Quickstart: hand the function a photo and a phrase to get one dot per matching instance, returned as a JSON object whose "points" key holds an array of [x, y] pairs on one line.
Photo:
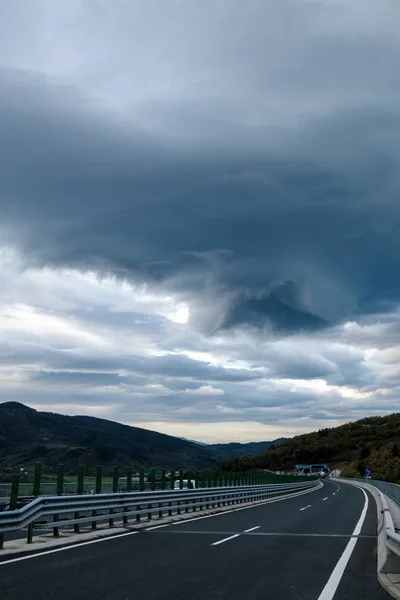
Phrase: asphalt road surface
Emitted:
{"points": [[318, 546]]}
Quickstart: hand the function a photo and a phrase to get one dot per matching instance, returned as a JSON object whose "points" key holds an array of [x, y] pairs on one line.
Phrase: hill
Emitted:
{"points": [[235, 450], [27, 436], [373, 442]]}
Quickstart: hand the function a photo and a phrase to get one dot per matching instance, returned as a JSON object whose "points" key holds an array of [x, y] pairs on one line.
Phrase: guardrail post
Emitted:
{"points": [[203, 479], [29, 536], [36, 479], [181, 480], [60, 480], [209, 479], [172, 477], [80, 479], [163, 479], [153, 479], [115, 480], [14, 492], [189, 478], [111, 520], [98, 479], [215, 480], [56, 531], [129, 480], [141, 480]]}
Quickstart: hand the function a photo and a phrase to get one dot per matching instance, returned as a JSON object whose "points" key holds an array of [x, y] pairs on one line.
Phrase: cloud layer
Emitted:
{"points": [[199, 210]]}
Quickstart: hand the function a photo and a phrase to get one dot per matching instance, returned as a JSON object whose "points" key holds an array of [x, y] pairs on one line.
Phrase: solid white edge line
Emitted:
{"points": [[231, 537], [333, 582], [227, 512], [252, 529], [71, 547], [157, 527]]}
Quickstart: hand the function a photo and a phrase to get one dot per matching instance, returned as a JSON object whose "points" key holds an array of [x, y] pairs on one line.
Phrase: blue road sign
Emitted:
{"points": [[367, 473]]}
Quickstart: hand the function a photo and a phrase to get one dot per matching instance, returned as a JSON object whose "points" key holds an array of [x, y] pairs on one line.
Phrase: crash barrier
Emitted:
{"points": [[52, 513], [388, 563]]}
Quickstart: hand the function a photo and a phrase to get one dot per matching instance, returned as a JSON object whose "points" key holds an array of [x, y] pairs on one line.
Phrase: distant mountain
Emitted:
{"points": [[27, 436], [193, 441], [236, 450]]}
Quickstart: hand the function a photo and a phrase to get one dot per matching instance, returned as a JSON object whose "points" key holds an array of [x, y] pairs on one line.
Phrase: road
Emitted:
{"points": [[299, 548]]}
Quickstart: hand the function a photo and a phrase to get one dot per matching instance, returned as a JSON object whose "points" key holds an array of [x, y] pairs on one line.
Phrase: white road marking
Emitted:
{"points": [[157, 527], [252, 529], [305, 507], [333, 493], [325, 498], [226, 512], [226, 539], [333, 582], [105, 539]]}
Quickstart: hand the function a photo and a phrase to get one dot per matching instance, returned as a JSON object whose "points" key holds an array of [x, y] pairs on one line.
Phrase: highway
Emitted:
{"points": [[298, 548]]}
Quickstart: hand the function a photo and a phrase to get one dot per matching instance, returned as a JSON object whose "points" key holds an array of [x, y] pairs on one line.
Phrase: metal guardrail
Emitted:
{"points": [[55, 512], [392, 538], [390, 489]]}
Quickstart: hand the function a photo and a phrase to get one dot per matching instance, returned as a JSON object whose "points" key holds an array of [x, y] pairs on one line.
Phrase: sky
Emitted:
{"points": [[200, 212]]}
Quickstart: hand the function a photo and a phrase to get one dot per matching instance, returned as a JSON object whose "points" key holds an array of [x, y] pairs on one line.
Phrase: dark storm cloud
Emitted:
{"points": [[241, 161], [290, 240]]}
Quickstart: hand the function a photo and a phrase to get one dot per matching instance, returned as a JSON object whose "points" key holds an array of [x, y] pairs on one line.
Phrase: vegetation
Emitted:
{"points": [[236, 450], [373, 442], [28, 436]]}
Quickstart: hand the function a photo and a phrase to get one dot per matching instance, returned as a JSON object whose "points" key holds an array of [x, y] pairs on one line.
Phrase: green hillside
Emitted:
{"points": [[236, 449], [27, 436], [373, 442]]}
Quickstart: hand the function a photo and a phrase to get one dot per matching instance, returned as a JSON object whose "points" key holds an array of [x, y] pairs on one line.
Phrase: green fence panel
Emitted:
{"points": [[163, 479], [141, 480], [80, 479], [190, 478], [129, 480], [115, 480], [152, 479], [14, 492], [36, 479], [99, 474], [60, 480]]}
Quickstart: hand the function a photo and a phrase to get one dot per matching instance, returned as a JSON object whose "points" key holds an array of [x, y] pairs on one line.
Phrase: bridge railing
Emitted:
{"points": [[117, 480], [388, 538], [51, 513]]}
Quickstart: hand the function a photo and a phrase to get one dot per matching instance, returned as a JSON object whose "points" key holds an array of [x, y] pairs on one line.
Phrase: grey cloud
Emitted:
{"points": [[304, 249], [168, 366], [253, 177]]}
